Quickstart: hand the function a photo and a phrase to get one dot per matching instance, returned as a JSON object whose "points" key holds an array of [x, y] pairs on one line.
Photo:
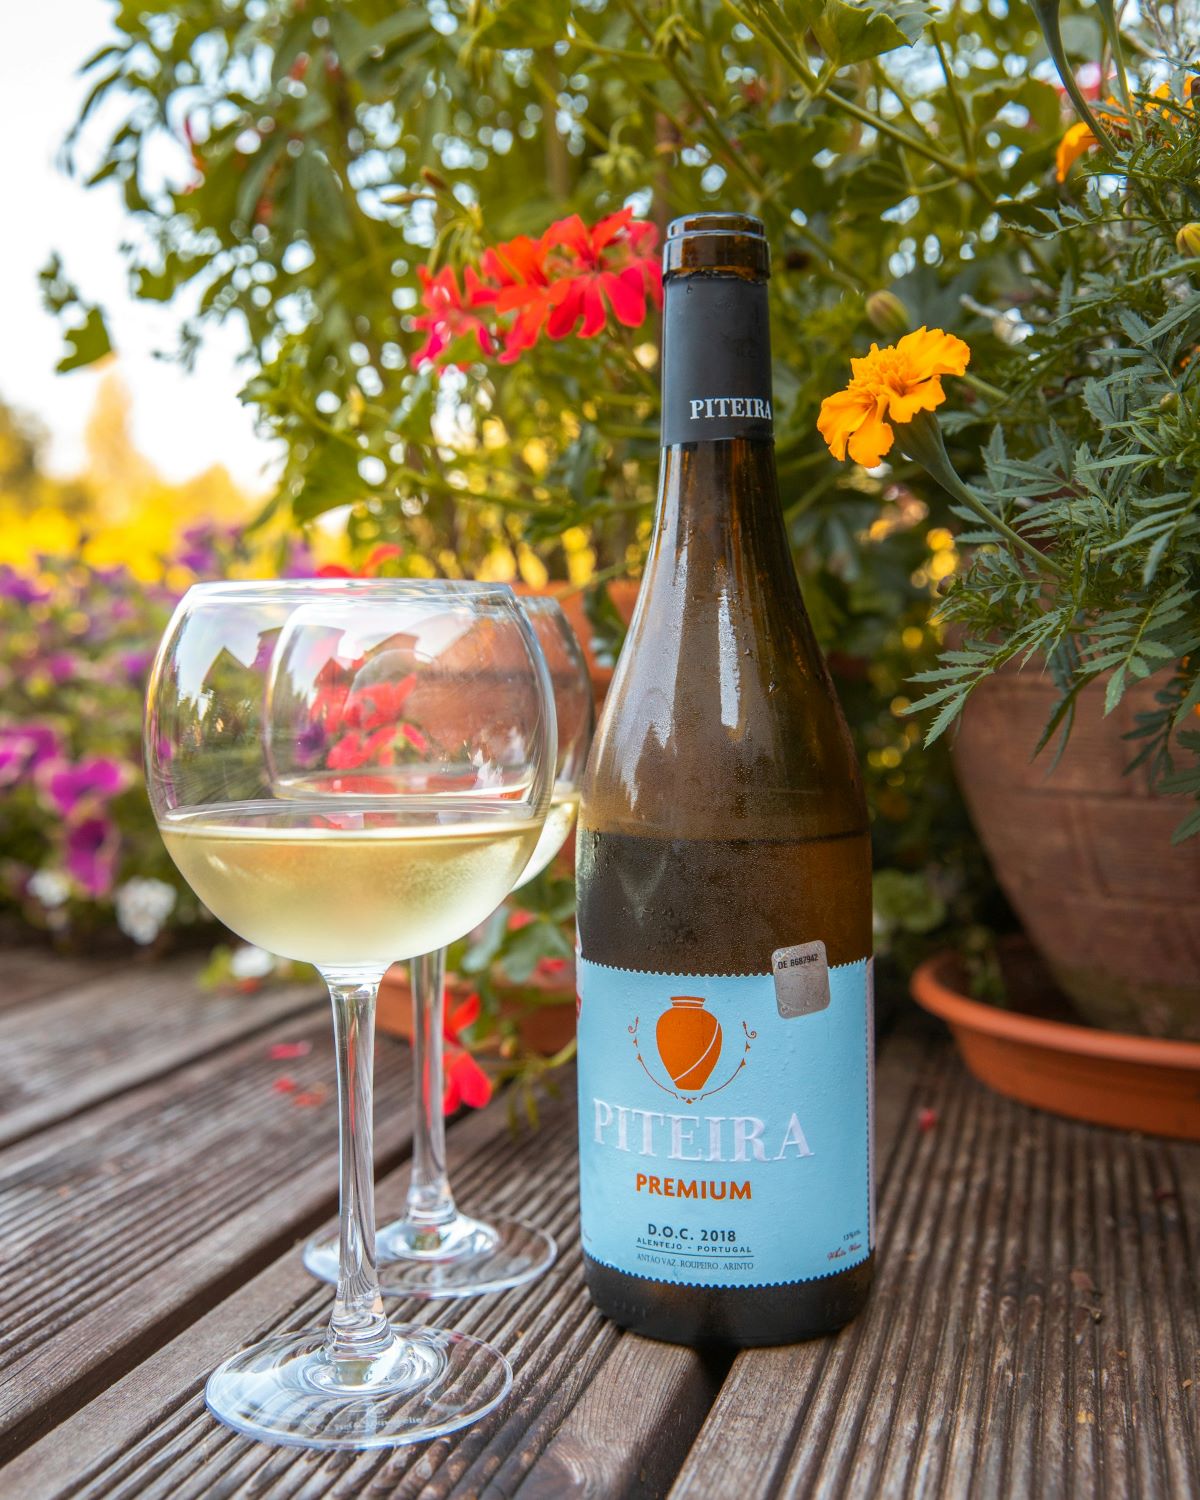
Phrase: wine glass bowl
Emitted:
{"points": [[346, 773], [575, 716]]}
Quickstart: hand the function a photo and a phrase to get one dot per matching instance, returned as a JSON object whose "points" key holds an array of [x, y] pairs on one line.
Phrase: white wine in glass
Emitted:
{"points": [[559, 822], [345, 772], [289, 880]]}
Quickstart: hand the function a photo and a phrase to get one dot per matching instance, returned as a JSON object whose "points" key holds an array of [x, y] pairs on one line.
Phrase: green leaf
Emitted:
{"points": [[849, 33], [906, 901], [529, 944], [331, 479], [1025, 213], [1115, 690], [87, 343], [1188, 828], [1190, 703], [254, 179], [508, 24], [158, 286]]}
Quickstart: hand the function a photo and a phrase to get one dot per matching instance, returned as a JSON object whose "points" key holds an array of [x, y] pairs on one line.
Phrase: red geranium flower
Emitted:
{"points": [[447, 316], [466, 1082], [385, 552], [565, 282], [518, 267], [354, 750], [378, 704], [614, 266]]}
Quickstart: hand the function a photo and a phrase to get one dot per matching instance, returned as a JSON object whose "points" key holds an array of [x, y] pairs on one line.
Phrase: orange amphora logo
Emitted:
{"points": [[689, 1042]]}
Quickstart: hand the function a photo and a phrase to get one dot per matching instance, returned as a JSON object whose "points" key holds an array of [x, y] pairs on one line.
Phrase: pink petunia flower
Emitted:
{"points": [[25, 747], [90, 849], [65, 785]]}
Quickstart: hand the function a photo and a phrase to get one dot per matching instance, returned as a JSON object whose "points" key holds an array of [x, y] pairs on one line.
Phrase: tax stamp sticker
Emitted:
{"points": [[801, 979]]}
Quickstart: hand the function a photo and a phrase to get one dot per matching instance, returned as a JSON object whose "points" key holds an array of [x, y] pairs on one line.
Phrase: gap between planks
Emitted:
{"points": [[1034, 1328]]}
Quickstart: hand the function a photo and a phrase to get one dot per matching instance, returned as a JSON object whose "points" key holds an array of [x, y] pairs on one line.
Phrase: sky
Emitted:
{"points": [[182, 422]]}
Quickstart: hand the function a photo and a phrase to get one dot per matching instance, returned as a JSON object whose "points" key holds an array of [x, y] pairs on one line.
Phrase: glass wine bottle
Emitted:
{"points": [[725, 1029]]}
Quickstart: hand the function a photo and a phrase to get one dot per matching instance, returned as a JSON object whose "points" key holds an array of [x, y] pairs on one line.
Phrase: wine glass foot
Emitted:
{"points": [[462, 1258], [289, 1390]]}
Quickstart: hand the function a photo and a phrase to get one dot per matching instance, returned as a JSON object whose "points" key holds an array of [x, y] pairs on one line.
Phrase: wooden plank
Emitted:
{"points": [[149, 1436], [120, 1226], [617, 1443], [26, 974], [1035, 1320], [87, 1041]]}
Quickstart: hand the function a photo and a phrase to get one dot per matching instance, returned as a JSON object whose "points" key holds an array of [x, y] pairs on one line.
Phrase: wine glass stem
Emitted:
{"points": [[429, 1198], [358, 1328]]}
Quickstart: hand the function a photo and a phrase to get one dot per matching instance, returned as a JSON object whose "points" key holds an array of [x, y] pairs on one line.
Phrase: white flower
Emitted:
{"points": [[50, 888], [143, 905], [249, 962]]}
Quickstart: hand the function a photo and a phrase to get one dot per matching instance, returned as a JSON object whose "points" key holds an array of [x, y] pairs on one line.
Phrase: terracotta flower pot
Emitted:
{"points": [[1105, 1077], [546, 1029], [1084, 854]]}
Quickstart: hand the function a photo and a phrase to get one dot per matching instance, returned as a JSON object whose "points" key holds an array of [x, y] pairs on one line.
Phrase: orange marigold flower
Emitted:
{"points": [[1191, 92], [1078, 140], [896, 383]]}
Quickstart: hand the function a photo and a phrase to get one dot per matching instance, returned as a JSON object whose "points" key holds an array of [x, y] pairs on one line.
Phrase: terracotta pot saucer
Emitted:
{"points": [[1106, 1077]]}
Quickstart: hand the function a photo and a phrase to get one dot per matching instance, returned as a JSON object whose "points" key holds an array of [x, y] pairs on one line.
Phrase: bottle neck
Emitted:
{"points": [[719, 496], [716, 361]]}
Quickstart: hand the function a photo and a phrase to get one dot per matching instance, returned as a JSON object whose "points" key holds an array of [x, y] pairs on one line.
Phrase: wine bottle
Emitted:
{"points": [[724, 911]]}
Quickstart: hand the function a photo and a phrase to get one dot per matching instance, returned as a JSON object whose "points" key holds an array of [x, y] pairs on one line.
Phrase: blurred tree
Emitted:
{"points": [[119, 511], [117, 474], [24, 484]]}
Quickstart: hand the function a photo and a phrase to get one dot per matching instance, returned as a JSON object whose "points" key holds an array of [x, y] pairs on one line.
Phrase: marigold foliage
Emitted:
{"points": [[1095, 458]]}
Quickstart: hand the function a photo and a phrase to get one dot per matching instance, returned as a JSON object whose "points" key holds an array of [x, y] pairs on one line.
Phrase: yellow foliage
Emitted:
{"points": [[499, 566], [119, 510], [532, 569]]}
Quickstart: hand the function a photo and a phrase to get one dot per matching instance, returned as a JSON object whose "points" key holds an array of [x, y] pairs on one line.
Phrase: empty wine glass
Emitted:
{"points": [[347, 773], [435, 1250]]}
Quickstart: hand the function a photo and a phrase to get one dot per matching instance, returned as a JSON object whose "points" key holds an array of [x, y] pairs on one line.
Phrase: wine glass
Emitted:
{"points": [[348, 773], [435, 1250]]}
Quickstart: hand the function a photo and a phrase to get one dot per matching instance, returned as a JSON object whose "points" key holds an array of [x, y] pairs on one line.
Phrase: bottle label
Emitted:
{"points": [[725, 1121], [717, 360]]}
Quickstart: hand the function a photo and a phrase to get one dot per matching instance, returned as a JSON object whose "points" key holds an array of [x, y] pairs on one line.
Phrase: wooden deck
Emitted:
{"points": [[1034, 1329]]}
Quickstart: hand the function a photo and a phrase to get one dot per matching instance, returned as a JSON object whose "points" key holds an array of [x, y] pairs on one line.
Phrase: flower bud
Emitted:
{"points": [[1187, 241], [888, 314]]}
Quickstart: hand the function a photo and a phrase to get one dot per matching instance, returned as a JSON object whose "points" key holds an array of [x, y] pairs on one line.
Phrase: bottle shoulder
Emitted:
{"points": [[722, 710]]}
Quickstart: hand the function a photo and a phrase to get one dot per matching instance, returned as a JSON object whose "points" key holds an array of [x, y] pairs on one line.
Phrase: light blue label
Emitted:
{"points": [[725, 1121]]}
